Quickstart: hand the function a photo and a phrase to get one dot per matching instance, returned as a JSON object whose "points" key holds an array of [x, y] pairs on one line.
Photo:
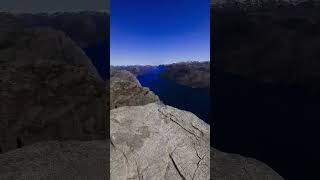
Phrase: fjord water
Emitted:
{"points": [[195, 100], [99, 55], [275, 123]]}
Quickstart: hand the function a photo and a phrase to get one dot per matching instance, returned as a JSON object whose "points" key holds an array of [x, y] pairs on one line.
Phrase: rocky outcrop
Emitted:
{"points": [[56, 160], [125, 90], [161, 142], [236, 167], [158, 142], [50, 89], [193, 74]]}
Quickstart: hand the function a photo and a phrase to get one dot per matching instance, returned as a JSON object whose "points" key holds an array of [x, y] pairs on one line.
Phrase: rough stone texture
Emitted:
{"points": [[49, 89], [55, 160], [235, 167], [158, 142], [125, 90]]}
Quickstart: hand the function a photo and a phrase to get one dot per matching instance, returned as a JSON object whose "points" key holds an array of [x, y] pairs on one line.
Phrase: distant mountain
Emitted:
{"points": [[273, 44], [262, 4], [134, 69], [193, 74], [90, 30], [85, 27]]}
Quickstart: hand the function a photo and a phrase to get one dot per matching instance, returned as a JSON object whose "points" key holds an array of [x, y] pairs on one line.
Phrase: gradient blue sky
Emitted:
{"points": [[151, 32]]}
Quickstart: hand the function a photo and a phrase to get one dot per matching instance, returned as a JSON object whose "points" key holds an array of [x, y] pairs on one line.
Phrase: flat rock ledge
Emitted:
{"points": [[158, 142], [54, 160]]}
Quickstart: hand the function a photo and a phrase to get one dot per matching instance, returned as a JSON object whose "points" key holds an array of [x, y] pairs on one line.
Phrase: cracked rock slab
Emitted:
{"points": [[158, 142]]}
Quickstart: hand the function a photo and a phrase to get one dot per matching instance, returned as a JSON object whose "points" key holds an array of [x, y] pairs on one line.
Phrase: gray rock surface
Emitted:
{"points": [[235, 167], [158, 142], [49, 89], [56, 160], [125, 90]]}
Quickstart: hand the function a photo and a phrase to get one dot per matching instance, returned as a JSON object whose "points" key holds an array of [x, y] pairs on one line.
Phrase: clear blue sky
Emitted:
{"points": [[159, 32]]}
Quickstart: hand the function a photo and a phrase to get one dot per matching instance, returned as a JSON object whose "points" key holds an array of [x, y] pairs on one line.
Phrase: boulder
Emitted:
{"points": [[125, 90], [49, 89]]}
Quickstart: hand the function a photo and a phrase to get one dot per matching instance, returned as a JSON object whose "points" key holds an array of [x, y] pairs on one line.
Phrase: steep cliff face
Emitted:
{"points": [[270, 43], [156, 141], [134, 69], [49, 89], [125, 90], [193, 74]]}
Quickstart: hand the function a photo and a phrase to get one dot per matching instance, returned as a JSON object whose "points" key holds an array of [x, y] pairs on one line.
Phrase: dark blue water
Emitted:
{"points": [[195, 100], [100, 56], [275, 123]]}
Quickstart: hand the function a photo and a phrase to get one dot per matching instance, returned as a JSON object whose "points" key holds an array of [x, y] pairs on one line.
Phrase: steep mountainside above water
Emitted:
{"points": [[193, 74], [253, 5], [85, 28], [134, 69], [276, 44]]}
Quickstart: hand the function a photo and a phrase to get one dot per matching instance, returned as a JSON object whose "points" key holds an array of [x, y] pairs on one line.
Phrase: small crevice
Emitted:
{"points": [[125, 156], [140, 176], [178, 123], [197, 129], [245, 168], [198, 164], [19, 143], [195, 148], [176, 167]]}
